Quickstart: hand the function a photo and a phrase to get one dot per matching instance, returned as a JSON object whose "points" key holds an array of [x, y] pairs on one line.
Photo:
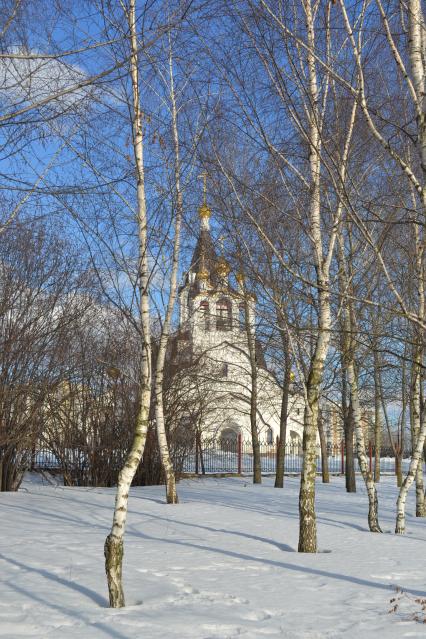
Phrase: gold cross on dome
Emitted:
{"points": [[203, 176]]}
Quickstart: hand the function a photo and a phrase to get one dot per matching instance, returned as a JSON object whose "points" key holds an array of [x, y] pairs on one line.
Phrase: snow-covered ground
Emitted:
{"points": [[221, 564]]}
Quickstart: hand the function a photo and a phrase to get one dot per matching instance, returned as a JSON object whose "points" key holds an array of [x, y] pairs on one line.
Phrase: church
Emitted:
{"points": [[213, 331]]}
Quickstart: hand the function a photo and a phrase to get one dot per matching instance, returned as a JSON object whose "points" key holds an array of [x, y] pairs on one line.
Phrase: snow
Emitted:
{"points": [[222, 564]]}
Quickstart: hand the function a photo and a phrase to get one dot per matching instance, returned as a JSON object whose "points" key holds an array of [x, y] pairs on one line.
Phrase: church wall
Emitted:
{"points": [[224, 380]]}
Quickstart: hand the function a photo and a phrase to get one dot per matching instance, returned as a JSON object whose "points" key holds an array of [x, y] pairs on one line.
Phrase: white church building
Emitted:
{"points": [[213, 332]]}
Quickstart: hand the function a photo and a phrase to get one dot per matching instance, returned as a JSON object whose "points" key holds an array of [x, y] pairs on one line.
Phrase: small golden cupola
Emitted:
{"points": [[204, 213]]}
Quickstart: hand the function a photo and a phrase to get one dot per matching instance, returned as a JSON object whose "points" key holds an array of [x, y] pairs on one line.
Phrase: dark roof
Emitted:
{"points": [[205, 248], [205, 257]]}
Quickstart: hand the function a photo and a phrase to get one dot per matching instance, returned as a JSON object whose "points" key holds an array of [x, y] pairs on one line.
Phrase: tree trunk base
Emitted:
{"points": [[375, 528], [308, 545], [171, 493], [374, 525], [307, 531], [113, 551]]}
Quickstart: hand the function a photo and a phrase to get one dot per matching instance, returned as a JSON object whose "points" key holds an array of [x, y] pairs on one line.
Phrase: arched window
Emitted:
{"points": [[269, 436], [242, 317], [229, 439], [223, 315], [205, 314]]}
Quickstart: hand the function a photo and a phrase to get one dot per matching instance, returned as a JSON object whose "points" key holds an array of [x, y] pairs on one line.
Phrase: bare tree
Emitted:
{"points": [[114, 544], [349, 327], [38, 309]]}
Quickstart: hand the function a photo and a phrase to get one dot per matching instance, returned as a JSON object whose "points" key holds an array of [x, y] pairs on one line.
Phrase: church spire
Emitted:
{"points": [[203, 263], [204, 211]]}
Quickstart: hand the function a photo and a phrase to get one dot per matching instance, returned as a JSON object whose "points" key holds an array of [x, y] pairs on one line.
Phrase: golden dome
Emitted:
{"points": [[204, 212], [223, 267], [203, 274]]}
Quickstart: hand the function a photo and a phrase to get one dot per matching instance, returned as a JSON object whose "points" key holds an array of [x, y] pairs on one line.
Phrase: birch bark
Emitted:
{"points": [[349, 357], [307, 517], [171, 492], [417, 369], [410, 478], [373, 503], [114, 543], [418, 72]]}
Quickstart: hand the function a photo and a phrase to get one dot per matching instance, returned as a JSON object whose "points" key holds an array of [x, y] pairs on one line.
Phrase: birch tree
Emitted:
{"points": [[352, 374], [171, 493], [412, 165], [285, 47], [114, 543]]}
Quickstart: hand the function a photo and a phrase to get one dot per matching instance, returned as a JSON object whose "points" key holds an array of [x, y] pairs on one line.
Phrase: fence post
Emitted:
{"points": [[277, 445], [240, 453], [342, 456], [196, 454], [370, 455], [33, 457]]}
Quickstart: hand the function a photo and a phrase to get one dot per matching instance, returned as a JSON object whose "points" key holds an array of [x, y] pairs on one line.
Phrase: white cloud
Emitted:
{"points": [[40, 81]]}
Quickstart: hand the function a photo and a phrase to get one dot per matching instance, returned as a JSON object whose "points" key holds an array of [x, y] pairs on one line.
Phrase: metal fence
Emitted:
{"points": [[236, 456]]}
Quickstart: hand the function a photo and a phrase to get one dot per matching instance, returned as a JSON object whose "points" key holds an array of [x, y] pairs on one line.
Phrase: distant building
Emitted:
{"points": [[333, 424], [213, 332]]}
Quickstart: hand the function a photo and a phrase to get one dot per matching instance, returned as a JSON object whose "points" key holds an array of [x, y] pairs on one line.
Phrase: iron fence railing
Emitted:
{"points": [[236, 456]]}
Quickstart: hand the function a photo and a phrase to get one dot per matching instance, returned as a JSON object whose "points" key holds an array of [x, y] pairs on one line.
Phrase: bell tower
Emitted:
{"points": [[211, 311], [216, 326]]}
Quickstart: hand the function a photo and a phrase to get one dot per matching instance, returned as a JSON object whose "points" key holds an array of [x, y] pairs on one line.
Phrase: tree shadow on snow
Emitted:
{"points": [[238, 533], [292, 567], [71, 612], [72, 585]]}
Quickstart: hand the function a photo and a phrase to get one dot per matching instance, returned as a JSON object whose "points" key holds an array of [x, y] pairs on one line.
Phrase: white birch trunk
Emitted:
{"points": [[349, 360], [373, 504], [114, 543], [418, 365], [416, 427], [415, 472], [406, 484], [307, 517], [307, 530], [417, 61], [415, 45], [171, 492]]}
